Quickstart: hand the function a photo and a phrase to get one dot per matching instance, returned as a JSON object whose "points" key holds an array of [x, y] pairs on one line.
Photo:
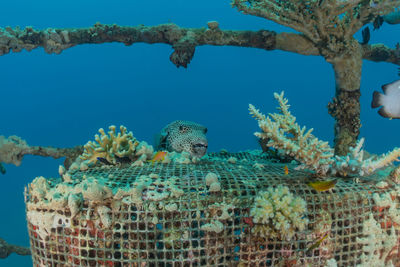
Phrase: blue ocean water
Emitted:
{"points": [[62, 100]]}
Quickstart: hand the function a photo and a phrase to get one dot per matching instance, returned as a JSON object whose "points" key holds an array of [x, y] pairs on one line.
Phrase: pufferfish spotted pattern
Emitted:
{"points": [[182, 136]]}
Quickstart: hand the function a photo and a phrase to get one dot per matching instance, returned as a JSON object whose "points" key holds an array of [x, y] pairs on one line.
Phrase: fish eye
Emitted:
{"points": [[205, 130]]}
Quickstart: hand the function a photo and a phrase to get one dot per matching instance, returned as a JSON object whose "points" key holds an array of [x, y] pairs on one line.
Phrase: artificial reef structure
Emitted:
{"points": [[118, 202], [297, 205], [324, 28]]}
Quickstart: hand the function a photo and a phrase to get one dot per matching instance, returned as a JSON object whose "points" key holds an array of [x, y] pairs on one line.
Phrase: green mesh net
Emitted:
{"points": [[198, 225]]}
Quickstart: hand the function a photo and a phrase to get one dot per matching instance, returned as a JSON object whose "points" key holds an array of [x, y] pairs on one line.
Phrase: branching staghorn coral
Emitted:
{"points": [[354, 163], [284, 133], [281, 131]]}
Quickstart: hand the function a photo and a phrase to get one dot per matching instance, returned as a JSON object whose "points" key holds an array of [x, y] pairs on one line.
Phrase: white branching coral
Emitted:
{"points": [[277, 213], [283, 133], [354, 162], [114, 147], [377, 244]]}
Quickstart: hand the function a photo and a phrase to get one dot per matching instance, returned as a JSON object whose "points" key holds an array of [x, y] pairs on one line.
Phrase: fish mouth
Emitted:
{"points": [[199, 149]]}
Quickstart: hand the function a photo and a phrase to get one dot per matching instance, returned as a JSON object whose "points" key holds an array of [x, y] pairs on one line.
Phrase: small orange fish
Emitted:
{"points": [[286, 170], [159, 156], [321, 186]]}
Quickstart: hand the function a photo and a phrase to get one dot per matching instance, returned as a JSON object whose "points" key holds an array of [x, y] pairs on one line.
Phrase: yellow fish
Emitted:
{"points": [[317, 244], [159, 156], [321, 186], [286, 170]]}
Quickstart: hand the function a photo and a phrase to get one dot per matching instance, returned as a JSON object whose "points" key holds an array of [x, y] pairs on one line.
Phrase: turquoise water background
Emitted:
{"points": [[62, 100]]}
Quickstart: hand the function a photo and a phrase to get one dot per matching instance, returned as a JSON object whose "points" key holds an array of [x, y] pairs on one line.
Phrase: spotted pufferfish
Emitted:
{"points": [[180, 136]]}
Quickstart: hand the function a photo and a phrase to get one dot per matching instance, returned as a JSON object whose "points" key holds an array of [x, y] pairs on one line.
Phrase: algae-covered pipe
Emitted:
{"points": [[7, 249]]}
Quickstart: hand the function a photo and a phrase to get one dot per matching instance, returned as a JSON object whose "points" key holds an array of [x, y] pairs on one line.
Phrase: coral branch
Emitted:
{"points": [[13, 149], [281, 131], [7, 249]]}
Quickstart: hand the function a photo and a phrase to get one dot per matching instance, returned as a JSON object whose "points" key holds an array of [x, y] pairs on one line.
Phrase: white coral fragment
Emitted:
{"points": [[215, 187], [74, 204], [215, 226], [42, 220], [105, 217], [211, 178]]}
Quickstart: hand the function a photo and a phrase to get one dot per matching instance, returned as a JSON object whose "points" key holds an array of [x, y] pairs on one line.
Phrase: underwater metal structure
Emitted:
{"points": [[213, 212], [225, 209], [182, 216], [324, 28]]}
